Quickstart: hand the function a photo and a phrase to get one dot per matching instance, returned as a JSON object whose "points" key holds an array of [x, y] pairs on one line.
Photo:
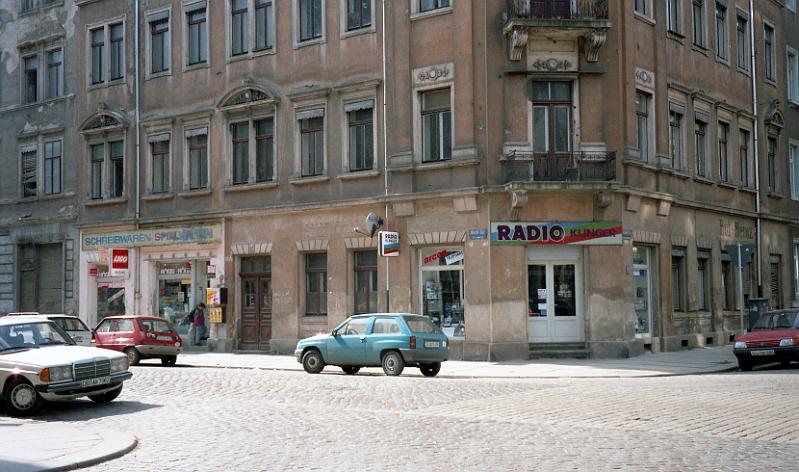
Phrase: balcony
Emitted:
{"points": [[578, 166], [588, 19]]}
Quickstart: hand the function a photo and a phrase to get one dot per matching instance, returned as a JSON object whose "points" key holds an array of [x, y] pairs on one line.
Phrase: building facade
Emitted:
{"points": [[563, 175]]}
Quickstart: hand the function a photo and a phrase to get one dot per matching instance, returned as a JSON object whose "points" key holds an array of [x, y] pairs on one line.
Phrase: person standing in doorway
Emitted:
{"points": [[198, 324]]}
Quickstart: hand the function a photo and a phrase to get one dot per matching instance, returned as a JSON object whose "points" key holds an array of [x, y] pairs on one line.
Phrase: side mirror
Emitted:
{"points": [[334, 333]]}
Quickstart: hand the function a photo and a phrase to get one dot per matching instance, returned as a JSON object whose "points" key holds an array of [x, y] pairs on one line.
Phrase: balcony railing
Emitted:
{"points": [[558, 9], [578, 166]]}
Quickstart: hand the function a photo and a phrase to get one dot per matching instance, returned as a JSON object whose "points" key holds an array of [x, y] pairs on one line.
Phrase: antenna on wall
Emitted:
{"points": [[371, 224]]}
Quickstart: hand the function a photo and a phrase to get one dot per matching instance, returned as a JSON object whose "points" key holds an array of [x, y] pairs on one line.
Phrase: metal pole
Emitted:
{"points": [[741, 288], [385, 142]]}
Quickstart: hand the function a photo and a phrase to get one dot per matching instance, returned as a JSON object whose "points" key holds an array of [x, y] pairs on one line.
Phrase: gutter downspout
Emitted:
{"points": [[755, 146], [137, 215], [385, 140]]}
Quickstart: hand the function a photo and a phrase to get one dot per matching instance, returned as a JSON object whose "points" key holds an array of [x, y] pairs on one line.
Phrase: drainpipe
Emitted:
{"points": [[758, 235], [385, 139], [137, 215]]}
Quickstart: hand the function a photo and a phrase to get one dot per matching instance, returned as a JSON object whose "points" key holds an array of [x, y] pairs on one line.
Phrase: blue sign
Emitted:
{"points": [[478, 234]]}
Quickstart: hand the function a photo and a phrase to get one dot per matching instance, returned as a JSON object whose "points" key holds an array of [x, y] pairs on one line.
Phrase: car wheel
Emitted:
{"points": [[21, 398], [312, 362], [430, 370], [745, 366], [133, 355], [393, 363], [350, 369], [107, 396], [169, 361]]}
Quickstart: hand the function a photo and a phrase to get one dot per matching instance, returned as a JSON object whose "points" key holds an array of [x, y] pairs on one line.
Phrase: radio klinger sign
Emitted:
{"points": [[119, 261]]}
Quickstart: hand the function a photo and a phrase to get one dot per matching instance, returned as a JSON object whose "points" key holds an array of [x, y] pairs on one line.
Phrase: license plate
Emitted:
{"points": [[94, 382], [432, 344], [765, 352]]}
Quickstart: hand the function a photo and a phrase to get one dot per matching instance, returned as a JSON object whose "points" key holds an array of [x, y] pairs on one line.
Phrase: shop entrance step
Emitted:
{"points": [[558, 351]]}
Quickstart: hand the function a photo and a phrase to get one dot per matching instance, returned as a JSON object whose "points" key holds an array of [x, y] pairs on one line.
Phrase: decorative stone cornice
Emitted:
{"points": [[437, 237], [251, 248], [312, 245]]}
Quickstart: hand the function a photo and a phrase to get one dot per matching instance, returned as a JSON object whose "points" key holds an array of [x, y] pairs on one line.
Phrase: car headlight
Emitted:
{"points": [[119, 364], [56, 374], [740, 345], [786, 342]]}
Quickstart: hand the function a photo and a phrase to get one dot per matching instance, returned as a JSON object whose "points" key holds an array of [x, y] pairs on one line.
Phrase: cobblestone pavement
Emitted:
{"points": [[246, 420]]}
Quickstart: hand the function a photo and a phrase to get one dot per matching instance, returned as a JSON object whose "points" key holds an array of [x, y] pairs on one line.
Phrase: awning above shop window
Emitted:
{"points": [[308, 114], [157, 138], [190, 133], [701, 116], [676, 108], [194, 7], [361, 105]]}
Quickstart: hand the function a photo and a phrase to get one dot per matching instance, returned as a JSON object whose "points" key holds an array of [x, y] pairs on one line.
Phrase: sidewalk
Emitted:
{"points": [[694, 361], [29, 445]]}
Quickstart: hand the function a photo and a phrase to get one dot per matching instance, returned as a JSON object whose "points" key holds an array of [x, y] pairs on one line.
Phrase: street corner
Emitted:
{"points": [[31, 445]]}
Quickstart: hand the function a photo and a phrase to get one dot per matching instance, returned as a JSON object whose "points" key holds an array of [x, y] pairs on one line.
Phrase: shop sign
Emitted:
{"points": [[557, 233], [119, 261], [389, 243], [478, 234], [453, 257], [94, 271], [435, 256], [152, 237], [210, 271], [212, 297], [119, 284]]}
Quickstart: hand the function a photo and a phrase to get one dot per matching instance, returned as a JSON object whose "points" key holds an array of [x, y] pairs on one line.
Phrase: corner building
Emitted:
{"points": [[564, 176]]}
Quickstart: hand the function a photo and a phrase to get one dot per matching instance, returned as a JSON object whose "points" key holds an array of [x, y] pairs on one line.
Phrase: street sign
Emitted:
{"points": [[746, 252]]}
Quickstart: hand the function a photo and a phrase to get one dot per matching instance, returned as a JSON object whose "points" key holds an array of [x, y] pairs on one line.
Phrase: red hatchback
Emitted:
{"points": [[774, 338], [140, 337]]}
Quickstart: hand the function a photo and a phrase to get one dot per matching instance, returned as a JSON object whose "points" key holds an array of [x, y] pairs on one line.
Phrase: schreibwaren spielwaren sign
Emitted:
{"points": [[557, 232], [152, 237]]}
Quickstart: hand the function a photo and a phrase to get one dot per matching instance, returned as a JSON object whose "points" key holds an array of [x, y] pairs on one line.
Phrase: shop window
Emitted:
{"points": [[175, 280], [110, 297], [436, 125], [775, 265], [742, 41], [365, 281], [678, 285], [703, 280], [442, 288], [52, 167], [316, 284], [642, 277], [197, 38]]}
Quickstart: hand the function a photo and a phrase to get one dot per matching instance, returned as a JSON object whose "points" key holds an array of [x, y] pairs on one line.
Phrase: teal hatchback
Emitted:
{"points": [[390, 340]]}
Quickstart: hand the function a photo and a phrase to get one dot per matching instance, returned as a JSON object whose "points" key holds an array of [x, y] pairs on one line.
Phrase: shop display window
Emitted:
{"points": [[442, 289]]}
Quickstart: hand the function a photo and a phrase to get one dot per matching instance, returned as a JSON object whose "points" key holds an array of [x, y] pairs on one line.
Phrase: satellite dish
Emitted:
{"points": [[372, 223]]}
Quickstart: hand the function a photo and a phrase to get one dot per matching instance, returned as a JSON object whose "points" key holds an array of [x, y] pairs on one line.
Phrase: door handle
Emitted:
{"points": [[363, 339]]}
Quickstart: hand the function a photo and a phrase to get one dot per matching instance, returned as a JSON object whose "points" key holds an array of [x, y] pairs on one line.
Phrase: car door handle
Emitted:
{"points": [[363, 339]]}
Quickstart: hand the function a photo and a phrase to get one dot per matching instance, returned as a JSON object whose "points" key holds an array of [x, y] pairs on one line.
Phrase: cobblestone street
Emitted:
{"points": [[245, 419]]}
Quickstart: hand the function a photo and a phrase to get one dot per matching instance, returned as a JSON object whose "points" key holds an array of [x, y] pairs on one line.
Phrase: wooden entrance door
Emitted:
{"points": [[256, 311]]}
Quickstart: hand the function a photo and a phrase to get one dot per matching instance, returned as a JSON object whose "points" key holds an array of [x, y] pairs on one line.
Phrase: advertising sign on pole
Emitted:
{"points": [[389, 243]]}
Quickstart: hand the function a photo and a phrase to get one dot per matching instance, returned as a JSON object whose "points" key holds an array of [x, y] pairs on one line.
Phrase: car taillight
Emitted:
{"points": [[413, 342]]}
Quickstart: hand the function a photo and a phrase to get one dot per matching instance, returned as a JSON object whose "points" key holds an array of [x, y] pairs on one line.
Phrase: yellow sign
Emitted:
{"points": [[216, 314], [212, 297]]}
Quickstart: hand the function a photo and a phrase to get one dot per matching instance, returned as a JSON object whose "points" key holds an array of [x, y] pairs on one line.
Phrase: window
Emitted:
{"points": [[642, 7], [159, 150], [791, 4], [159, 43], [52, 167], [361, 139], [29, 171], [28, 5], [98, 159], [700, 146], [792, 66], [721, 31], [673, 16], [724, 131], [264, 137], [768, 53], [771, 148], [728, 283], [436, 125], [316, 284], [310, 16], [643, 271], [197, 33], [365, 281], [793, 164], [116, 156], [264, 19], [441, 287], [796, 269], [703, 280], [676, 138], [241, 167], [698, 14], [198, 158], [430, 5], [117, 35], [742, 41], [97, 46], [115, 152], [239, 27], [312, 144], [551, 117], [359, 14], [743, 152], [31, 79], [55, 73], [642, 106], [678, 279], [775, 267]]}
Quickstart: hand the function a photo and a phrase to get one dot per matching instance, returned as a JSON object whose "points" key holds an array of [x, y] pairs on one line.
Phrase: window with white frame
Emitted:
{"points": [[107, 155], [159, 42], [197, 148], [552, 104], [430, 5], [97, 36], [312, 142], [55, 73], [310, 16], [252, 137], [31, 78], [723, 151], [264, 149], [674, 16], [643, 117], [643, 7], [359, 14], [436, 117], [264, 25], [239, 27], [240, 133], [107, 59], [160, 162], [196, 33], [768, 53], [360, 134], [793, 163], [742, 41], [792, 70], [700, 142], [743, 154], [52, 166], [29, 169], [676, 136], [252, 26], [698, 16], [722, 48]]}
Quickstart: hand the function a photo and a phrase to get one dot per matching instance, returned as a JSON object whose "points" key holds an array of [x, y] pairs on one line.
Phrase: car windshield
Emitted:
{"points": [[32, 335], [421, 324], [70, 324], [784, 320]]}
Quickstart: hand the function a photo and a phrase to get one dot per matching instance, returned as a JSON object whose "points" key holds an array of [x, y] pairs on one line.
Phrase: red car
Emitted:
{"points": [[140, 337], [774, 338]]}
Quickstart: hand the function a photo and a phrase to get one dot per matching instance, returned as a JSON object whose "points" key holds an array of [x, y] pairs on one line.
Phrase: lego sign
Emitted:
{"points": [[119, 261]]}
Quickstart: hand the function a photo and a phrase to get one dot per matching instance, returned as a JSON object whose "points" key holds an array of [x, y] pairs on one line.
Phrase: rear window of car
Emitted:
{"points": [[70, 324], [156, 326], [785, 320], [420, 324]]}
